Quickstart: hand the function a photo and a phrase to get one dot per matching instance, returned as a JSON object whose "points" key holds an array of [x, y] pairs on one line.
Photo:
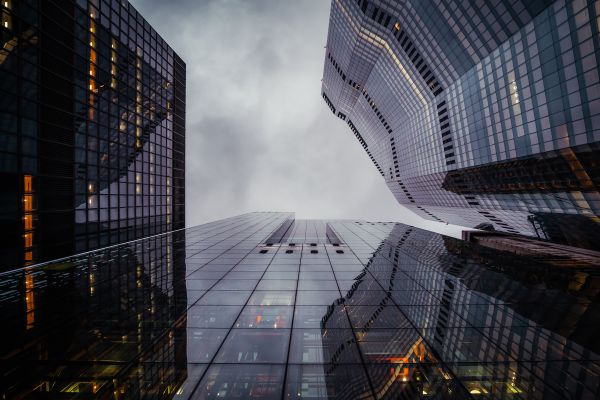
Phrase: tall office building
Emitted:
{"points": [[266, 306], [475, 112], [92, 128]]}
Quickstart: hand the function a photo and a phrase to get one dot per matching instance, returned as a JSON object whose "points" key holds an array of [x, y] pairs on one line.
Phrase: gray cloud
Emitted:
{"points": [[259, 136]]}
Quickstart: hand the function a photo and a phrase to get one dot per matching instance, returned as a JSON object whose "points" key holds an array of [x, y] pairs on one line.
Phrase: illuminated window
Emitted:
{"points": [[28, 202], [28, 221], [27, 186], [28, 240]]}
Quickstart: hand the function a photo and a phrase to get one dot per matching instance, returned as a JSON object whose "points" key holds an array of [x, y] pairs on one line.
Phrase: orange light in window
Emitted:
{"points": [[28, 218], [92, 60], [28, 240], [28, 221], [29, 299], [27, 186], [28, 202]]}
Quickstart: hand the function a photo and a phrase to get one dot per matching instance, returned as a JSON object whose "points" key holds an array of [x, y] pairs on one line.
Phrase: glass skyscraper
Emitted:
{"points": [[92, 129], [476, 113], [265, 306]]}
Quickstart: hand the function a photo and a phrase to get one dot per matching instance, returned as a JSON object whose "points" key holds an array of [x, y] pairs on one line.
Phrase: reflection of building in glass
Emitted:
{"points": [[112, 322], [92, 117], [486, 322], [476, 114], [266, 306]]}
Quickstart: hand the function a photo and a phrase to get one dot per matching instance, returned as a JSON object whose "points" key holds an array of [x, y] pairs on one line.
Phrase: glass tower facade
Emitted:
{"points": [[92, 128], [268, 307], [476, 113]]}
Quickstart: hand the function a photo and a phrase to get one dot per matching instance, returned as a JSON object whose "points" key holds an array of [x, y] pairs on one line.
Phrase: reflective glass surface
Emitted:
{"points": [[412, 315], [476, 113], [92, 129]]}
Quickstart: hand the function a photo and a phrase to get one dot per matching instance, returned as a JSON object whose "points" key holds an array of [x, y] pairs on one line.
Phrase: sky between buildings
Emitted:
{"points": [[259, 135]]}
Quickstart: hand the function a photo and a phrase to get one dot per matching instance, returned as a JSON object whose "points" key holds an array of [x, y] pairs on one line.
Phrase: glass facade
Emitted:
{"points": [[92, 128], [476, 112], [265, 306]]}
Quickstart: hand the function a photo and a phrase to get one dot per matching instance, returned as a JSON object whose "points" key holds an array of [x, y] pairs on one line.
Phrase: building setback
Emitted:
{"points": [[92, 128], [476, 114], [265, 306]]}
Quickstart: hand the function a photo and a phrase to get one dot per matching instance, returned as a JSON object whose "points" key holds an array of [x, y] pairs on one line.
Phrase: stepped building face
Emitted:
{"points": [[92, 126], [476, 114]]}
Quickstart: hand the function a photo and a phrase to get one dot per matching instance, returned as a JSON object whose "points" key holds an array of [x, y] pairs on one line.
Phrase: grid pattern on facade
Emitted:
{"points": [[92, 112], [266, 306], [465, 86]]}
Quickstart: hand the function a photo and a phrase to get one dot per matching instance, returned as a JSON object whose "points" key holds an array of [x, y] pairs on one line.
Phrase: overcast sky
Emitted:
{"points": [[259, 137]]}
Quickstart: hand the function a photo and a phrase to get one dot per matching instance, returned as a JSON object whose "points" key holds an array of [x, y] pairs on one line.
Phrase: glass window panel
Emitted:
{"points": [[212, 316], [323, 346], [241, 381], [202, 344], [255, 346], [265, 317]]}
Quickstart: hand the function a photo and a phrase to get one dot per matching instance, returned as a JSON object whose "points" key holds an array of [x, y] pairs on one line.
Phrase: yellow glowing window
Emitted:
{"points": [[28, 240], [28, 202], [397, 26], [29, 256], [27, 186], [28, 221]]}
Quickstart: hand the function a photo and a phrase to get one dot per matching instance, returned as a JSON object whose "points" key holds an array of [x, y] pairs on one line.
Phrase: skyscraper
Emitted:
{"points": [[92, 128], [476, 113], [265, 306]]}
